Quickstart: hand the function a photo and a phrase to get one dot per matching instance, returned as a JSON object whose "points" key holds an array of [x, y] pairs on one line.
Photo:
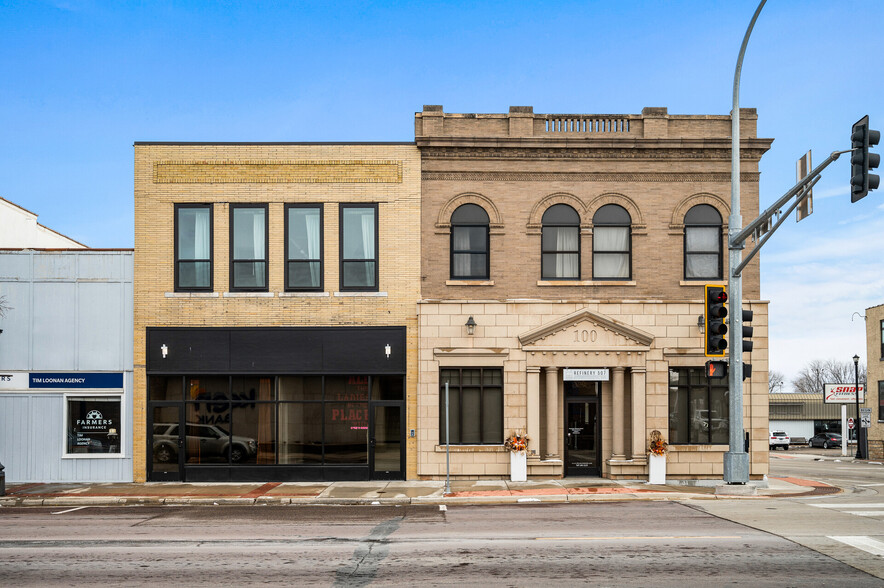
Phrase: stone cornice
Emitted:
{"points": [[751, 152], [547, 176]]}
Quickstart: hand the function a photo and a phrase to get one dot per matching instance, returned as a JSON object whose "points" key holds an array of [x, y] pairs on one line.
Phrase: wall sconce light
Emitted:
{"points": [[165, 350], [701, 324], [471, 325], [388, 350]]}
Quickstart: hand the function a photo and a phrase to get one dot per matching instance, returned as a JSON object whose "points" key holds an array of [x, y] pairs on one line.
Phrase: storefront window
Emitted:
{"points": [[475, 403], [94, 424], [698, 408]]}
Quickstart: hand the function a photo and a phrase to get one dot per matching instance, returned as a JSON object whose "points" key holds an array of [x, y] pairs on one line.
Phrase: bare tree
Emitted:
{"points": [[818, 372], [775, 381]]}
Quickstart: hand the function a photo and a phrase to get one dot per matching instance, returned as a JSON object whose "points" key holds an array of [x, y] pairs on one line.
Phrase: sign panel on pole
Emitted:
{"points": [[850, 423], [840, 393], [865, 417]]}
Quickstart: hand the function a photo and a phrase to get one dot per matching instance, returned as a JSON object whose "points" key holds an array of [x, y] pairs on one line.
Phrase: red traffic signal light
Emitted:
{"points": [[716, 369]]}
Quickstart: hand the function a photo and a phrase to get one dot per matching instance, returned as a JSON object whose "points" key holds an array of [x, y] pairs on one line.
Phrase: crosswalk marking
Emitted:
{"points": [[865, 513], [862, 542], [849, 505]]}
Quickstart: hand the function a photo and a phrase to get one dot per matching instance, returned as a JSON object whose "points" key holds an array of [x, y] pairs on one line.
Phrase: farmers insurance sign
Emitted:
{"points": [[842, 393]]}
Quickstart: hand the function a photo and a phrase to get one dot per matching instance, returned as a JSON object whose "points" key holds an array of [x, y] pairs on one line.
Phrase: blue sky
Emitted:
{"points": [[80, 81]]}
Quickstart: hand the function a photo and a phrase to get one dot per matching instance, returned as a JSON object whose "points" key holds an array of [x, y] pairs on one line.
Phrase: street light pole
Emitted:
{"points": [[736, 460], [857, 424]]}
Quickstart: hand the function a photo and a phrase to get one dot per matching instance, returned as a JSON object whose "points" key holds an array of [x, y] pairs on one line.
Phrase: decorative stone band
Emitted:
{"points": [[277, 172]]}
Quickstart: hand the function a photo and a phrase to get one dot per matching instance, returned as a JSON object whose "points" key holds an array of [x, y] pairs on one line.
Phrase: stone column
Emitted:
{"points": [[639, 423], [552, 412], [534, 411], [617, 416]]}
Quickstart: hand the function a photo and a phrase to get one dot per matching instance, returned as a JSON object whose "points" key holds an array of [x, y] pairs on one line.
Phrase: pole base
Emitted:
{"points": [[736, 467]]}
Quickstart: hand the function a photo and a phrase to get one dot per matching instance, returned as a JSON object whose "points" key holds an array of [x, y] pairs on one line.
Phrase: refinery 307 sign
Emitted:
{"points": [[585, 375], [842, 393]]}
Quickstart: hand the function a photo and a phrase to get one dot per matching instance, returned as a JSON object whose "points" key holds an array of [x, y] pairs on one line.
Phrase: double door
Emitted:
{"points": [[582, 429]]}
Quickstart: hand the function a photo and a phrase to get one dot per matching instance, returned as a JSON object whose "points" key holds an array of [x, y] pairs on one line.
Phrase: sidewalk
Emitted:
{"points": [[380, 492]]}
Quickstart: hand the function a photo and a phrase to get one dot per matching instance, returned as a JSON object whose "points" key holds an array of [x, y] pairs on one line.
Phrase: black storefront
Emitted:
{"points": [[276, 404]]}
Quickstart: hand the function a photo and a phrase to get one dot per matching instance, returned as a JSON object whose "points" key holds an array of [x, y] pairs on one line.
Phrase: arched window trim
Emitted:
{"points": [[719, 251], [598, 230], [462, 244], [570, 252]]}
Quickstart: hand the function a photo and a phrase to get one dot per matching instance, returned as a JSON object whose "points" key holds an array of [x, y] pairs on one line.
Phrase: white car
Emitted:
{"points": [[779, 439]]}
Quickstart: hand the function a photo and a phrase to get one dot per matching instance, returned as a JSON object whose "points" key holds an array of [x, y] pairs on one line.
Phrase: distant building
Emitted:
{"points": [[802, 416], [21, 230]]}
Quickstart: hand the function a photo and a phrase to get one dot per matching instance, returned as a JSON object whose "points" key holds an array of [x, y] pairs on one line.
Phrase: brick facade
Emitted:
{"points": [[515, 166], [874, 375], [275, 174]]}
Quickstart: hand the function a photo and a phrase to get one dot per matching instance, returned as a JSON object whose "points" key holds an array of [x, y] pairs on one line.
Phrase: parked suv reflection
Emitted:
{"points": [[205, 444]]}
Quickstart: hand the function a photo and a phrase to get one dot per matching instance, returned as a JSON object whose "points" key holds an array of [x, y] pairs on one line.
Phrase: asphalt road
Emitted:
{"points": [[603, 544]]}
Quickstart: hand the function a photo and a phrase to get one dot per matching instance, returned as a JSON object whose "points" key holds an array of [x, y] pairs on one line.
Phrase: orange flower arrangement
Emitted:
{"points": [[658, 445], [517, 442]]}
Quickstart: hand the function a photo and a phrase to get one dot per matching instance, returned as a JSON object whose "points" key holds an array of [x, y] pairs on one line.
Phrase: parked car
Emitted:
{"points": [[825, 440], [779, 439], [210, 440]]}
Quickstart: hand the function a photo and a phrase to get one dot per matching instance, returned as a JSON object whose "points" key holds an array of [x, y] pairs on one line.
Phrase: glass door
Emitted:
{"points": [[386, 442], [166, 443], [582, 431]]}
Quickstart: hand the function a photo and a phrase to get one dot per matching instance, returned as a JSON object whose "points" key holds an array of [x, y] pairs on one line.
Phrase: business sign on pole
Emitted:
{"points": [[585, 375], [842, 393]]}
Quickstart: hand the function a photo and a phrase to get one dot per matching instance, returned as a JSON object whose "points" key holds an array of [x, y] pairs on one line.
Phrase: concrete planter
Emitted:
{"points": [[657, 469], [518, 466]]}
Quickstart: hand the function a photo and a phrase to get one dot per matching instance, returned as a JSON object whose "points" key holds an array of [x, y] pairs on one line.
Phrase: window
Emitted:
{"points": [[303, 247], [469, 243], [882, 339], [193, 247], [93, 424], [880, 400], [560, 243], [611, 243], [698, 408], [359, 246], [475, 404], [702, 243], [248, 247]]}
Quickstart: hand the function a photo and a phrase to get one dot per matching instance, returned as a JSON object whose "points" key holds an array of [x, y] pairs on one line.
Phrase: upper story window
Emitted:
{"points": [[303, 247], [469, 243], [193, 247], [882, 339], [560, 243], [359, 247], [248, 247], [611, 243], [702, 243]]}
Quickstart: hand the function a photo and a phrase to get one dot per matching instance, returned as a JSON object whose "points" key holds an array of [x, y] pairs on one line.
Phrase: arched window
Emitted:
{"points": [[611, 243], [560, 243], [702, 243], [469, 243]]}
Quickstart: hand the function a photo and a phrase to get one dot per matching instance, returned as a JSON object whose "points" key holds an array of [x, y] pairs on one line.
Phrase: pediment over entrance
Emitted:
{"points": [[586, 330]]}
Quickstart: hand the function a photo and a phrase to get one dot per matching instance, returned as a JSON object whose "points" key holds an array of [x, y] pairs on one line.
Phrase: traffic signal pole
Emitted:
{"points": [[736, 460]]}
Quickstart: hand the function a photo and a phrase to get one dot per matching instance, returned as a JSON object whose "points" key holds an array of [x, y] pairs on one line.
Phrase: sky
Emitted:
{"points": [[81, 81]]}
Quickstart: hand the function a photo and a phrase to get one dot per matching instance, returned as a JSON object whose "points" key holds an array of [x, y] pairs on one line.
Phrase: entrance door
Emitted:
{"points": [[166, 443], [385, 442], [582, 434]]}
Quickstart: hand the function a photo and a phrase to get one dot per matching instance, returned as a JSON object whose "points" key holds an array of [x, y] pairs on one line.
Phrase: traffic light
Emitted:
{"points": [[747, 331], [716, 369], [716, 326], [861, 161]]}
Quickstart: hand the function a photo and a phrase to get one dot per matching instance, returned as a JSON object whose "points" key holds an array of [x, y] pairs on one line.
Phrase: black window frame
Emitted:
{"points": [[719, 252], [706, 386], [544, 252], [627, 252], [342, 260], [882, 340], [233, 261], [880, 401], [487, 252], [211, 259], [321, 258], [459, 391]]}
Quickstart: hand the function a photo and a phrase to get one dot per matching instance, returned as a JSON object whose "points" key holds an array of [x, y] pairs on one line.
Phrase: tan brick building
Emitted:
{"points": [[275, 321], [874, 380], [562, 278]]}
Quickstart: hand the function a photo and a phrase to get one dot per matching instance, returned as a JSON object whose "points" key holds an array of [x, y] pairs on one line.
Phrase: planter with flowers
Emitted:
{"points": [[517, 444], [657, 458]]}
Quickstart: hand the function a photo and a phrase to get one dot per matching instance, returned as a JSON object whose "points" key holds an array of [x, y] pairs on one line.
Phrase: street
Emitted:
{"points": [[814, 540]]}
